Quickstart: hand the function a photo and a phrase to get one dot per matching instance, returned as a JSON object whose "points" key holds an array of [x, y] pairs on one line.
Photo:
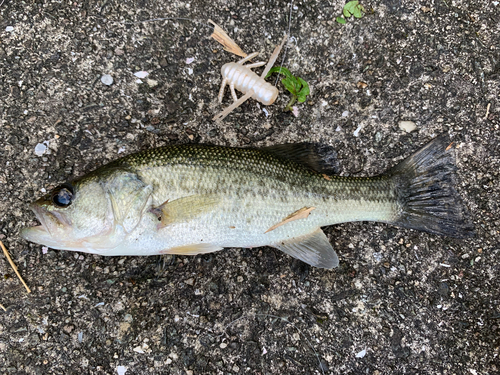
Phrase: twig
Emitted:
{"points": [[487, 111], [14, 266], [1, 306]]}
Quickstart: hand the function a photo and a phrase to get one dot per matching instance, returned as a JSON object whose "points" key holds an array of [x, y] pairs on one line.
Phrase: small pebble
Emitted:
{"points": [[361, 354], [141, 74], [358, 129], [9, 29], [40, 149], [407, 126], [121, 370], [107, 80]]}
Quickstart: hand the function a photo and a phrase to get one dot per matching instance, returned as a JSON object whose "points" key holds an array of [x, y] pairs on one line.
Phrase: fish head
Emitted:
{"points": [[76, 216]]}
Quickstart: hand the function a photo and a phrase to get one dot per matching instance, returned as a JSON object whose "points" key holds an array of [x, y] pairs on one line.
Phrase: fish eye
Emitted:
{"points": [[62, 196]]}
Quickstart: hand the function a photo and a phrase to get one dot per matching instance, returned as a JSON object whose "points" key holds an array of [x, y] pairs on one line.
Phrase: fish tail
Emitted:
{"points": [[427, 198]]}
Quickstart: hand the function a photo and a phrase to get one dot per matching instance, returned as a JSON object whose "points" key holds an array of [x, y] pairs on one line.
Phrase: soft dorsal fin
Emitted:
{"points": [[313, 248], [185, 209], [318, 157]]}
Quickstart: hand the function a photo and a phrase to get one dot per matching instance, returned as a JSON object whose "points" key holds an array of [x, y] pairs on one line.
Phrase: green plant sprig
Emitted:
{"points": [[352, 8], [295, 85]]}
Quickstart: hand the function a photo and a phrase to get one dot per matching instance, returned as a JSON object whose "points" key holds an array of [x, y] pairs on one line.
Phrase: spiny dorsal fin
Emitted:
{"points": [[194, 249], [318, 157], [185, 209], [313, 248]]}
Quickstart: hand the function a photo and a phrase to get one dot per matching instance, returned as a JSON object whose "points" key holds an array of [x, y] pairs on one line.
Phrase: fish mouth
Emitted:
{"points": [[40, 215], [50, 222]]}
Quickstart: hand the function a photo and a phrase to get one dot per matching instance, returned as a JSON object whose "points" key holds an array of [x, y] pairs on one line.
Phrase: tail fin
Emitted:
{"points": [[426, 194]]}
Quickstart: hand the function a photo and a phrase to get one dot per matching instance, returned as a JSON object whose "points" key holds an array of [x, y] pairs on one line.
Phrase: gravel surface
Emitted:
{"points": [[73, 96]]}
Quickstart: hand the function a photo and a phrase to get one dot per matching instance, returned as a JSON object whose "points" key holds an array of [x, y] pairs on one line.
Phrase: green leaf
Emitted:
{"points": [[304, 91], [290, 84], [353, 8], [341, 20], [298, 84], [279, 69], [358, 12], [350, 7]]}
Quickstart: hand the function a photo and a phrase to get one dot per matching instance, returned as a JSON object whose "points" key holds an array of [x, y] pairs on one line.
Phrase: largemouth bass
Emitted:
{"points": [[194, 199]]}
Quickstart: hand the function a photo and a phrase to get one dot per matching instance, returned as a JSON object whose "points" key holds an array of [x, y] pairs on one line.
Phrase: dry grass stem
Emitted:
{"points": [[2, 307], [303, 213], [487, 111], [228, 44], [273, 57], [14, 266]]}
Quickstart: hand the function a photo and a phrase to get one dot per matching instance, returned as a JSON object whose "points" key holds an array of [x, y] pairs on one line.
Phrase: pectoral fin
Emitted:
{"points": [[185, 209], [313, 248], [200, 248]]}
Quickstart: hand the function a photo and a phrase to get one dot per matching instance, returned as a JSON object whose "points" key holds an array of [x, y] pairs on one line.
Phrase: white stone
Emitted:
{"points": [[358, 129], [107, 79], [361, 354], [407, 126], [40, 149], [141, 74]]}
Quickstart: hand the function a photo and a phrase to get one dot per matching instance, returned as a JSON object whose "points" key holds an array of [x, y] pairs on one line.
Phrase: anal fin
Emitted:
{"points": [[313, 248], [194, 249]]}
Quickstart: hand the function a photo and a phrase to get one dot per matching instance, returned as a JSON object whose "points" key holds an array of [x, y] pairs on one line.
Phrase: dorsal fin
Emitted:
{"points": [[319, 157]]}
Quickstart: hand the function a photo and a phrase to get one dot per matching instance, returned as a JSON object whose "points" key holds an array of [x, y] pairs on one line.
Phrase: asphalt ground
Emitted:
{"points": [[401, 302]]}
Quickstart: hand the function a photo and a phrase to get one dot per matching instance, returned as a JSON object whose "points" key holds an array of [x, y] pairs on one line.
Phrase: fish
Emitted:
{"points": [[195, 199]]}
